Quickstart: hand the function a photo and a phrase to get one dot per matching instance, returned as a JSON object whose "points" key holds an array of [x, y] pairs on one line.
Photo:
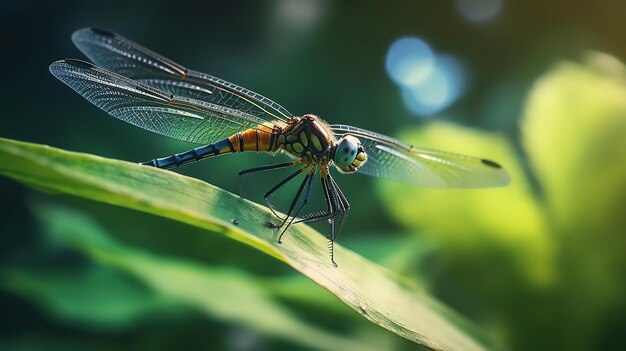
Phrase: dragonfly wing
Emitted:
{"points": [[392, 159], [151, 108], [125, 57]]}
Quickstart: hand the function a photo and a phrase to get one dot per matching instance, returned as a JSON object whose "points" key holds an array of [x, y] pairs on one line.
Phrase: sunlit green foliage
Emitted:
{"points": [[547, 250], [102, 295]]}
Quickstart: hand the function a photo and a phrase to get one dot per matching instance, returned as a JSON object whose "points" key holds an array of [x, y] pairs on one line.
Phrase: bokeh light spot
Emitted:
{"points": [[430, 96], [429, 81], [479, 11], [455, 74], [301, 14], [409, 60]]}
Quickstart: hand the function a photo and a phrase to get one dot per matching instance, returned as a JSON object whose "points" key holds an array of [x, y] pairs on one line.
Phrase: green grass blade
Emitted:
{"points": [[377, 294], [162, 288], [121, 302]]}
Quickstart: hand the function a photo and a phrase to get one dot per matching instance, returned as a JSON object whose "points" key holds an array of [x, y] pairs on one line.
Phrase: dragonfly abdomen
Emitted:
{"points": [[221, 147], [253, 139]]}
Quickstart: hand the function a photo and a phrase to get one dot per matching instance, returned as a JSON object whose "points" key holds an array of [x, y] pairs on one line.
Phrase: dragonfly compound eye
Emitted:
{"points": [[349, 154]]}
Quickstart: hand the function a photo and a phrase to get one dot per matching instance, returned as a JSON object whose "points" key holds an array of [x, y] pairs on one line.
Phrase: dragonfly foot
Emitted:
{"points": [[331, 248], [280, 237]]}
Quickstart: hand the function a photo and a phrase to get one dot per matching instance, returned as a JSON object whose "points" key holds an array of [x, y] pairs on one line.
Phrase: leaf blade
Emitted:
{"points": [[374, 292]]}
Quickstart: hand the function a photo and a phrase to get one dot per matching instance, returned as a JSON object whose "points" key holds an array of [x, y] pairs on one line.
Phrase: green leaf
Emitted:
{"points": [[95, 296], [575, 135], [375, 293], [107, 297]]}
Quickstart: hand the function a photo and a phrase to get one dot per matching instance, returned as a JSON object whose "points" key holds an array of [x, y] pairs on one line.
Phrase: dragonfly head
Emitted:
{"points": [[349, 154]]}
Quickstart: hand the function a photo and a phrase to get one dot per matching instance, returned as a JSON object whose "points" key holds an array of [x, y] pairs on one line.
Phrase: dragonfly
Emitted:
{"points": [[148, 90]]}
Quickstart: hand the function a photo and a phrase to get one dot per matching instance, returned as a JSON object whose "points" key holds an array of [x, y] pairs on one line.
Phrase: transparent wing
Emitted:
{"points": [[122, 56], [178, 117], [392, 159]]}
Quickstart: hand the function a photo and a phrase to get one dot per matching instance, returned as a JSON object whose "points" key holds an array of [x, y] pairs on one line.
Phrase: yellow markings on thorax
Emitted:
{"points": [[296, 142], [315, 141], [304, 139]]}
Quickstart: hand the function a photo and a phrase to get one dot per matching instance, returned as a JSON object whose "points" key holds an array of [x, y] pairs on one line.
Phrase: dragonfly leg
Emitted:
{"points": [[256, 170], [331, 249], [295, 200], [272, 191], [344, 205], [330, 206], [307, 196], [337, 206]]}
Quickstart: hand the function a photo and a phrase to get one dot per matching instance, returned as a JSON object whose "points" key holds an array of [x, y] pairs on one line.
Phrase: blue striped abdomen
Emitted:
{"points": [[221, 147]]}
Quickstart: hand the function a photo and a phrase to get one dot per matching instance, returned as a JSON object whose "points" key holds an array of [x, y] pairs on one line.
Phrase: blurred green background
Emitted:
{"points": [[538, 86]]}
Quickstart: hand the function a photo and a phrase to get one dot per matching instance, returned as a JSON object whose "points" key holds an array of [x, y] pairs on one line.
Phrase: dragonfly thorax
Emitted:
{"points": [[307, 137], [311, 139]]}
